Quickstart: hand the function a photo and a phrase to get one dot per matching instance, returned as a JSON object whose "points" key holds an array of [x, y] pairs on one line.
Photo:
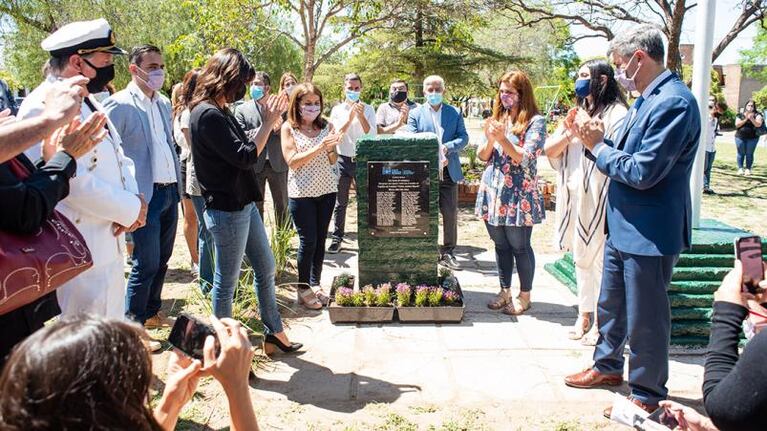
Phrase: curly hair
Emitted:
{"points": [[185, 91], [79, 373]]}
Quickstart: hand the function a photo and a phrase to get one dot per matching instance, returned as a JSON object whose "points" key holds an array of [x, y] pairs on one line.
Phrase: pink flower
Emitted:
{"points": [[506, 168], [524, 205], [502, 210], [508, 181]]}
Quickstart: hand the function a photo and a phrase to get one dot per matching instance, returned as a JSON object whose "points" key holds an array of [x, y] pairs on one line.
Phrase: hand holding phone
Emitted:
{"points": [[664, 417], [189, 334], [748, 250]]}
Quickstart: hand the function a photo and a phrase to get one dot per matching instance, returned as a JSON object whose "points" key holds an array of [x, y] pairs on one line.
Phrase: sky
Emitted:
{"points": [[726, 13]]}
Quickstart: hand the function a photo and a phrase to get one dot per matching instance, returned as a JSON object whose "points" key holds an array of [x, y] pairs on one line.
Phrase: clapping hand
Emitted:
{"points": [[358, 110], [331, 141], [76, 139], [6, 117], [64, 98], [591, 130], [274, 106], [494, 130], [403, 114]]}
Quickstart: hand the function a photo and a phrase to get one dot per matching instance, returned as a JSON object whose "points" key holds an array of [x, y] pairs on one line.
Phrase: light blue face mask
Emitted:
{"points": [[434, 98], [352, 96], [256, 92]]}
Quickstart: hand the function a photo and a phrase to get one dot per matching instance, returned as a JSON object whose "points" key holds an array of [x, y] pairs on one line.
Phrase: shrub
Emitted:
{"points": [[421, 295], [358, 299], [450, 297], [403, 294], [369, 295], [344, 296], [435, 296], [383, 295]]}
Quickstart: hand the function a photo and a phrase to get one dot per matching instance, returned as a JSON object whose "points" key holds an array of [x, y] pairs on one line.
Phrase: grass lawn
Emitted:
{"points": [[739, 201]]}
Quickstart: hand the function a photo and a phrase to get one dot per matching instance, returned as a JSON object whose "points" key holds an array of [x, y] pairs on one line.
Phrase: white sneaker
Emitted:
{"points": [[740, 171], [747, 172]]}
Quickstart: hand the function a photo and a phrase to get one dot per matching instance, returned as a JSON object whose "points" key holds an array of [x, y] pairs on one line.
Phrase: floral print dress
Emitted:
{"points": [[508, 194]]}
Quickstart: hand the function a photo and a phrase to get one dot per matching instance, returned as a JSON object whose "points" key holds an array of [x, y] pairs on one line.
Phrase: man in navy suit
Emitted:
{"points": [[446, 122], [648, 216]]}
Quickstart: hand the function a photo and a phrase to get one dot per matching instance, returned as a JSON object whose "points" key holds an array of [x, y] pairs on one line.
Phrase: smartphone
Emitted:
{"points": [[748, 250], [189, 334], [663, 417]]}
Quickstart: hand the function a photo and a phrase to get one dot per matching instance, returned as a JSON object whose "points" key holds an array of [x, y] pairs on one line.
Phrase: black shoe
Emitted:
{"points": [[449, 261], [335, 246], [271, 339], [709, 192]]}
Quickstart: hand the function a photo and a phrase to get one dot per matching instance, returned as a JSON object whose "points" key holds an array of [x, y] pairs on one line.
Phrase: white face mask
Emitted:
{"points": [[628, 83]]}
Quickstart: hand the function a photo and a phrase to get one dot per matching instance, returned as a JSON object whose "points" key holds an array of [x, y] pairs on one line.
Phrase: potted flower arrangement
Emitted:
{"points": [[367, 305], [472, 172], [443, 303], [343, 280]]}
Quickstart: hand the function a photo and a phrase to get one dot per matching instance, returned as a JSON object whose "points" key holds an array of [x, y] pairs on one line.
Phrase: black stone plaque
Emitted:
{"points": [[398, 199]]}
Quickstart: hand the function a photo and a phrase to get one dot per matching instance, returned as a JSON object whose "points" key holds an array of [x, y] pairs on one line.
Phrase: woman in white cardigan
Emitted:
{"points": [[582, 190]]}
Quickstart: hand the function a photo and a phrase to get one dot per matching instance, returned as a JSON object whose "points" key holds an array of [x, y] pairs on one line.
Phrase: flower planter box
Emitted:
{"points": [[446, 314], [426, 314], [340, 314], [467, 193]]}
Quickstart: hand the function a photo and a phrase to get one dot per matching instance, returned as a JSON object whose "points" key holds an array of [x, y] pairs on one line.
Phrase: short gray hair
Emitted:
{"points": [[646, 37], [434, 78]]}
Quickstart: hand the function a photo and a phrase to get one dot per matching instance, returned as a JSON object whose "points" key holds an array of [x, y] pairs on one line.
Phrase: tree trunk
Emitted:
{"points": [[419, 72], [309, 67], [673, 57]]}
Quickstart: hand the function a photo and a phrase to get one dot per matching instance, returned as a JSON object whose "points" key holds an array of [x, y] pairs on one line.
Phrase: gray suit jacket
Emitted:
{"points": [[249, 117], [130, 118]]}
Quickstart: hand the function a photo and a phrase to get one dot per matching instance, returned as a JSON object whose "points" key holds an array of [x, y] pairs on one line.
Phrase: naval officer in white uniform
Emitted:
{"points": [[103, 201]]}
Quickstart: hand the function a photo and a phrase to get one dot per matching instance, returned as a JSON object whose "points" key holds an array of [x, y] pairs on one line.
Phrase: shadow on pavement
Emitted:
{"points": [[339, 392]]}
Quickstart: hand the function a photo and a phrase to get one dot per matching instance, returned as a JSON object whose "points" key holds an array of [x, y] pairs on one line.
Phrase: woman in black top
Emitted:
{"points": [[734, 387], [29, 195], [746, 138], [224, 158]]}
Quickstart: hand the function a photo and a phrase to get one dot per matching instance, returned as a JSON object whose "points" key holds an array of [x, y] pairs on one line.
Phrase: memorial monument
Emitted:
{"points": [[398, 209]]}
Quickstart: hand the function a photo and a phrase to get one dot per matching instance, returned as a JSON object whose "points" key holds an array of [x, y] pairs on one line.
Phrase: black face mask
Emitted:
{"points": [[104, 75], [398, 96], [239, 94]]}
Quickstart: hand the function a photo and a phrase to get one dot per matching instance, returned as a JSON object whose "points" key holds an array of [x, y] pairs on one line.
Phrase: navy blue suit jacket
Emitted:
{"points": [[649, 209], [454, 136]]}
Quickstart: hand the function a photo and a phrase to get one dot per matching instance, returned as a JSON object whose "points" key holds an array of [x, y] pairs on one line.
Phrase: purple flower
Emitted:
{"points": [[403, 288], [450, 297]]}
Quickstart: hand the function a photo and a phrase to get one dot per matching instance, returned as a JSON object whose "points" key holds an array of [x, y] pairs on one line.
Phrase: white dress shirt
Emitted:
{"points": [[340, 115], [163, 165], [633, 111]]}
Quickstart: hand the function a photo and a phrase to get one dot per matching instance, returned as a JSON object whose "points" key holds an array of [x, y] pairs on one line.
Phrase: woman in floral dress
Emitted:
{"points": [[509, 201]]}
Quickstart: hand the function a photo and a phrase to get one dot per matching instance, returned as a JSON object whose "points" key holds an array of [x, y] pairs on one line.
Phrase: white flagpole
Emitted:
{"points": [[701, 81]]}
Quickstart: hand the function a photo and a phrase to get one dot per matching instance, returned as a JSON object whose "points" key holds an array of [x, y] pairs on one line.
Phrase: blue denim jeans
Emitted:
{"points": [[152, 248], [312, 218], [746, 149], [205, 245], [512, 243], [237, 234], [710, 156]]}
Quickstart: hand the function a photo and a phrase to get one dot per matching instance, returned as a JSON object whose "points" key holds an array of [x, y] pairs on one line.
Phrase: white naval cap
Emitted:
{"points": [[82, 37]]}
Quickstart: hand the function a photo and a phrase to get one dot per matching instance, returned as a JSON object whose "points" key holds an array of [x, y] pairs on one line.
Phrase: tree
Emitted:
{"points": [[320, 19], [431, 37], [188, 32], [602, 17]]}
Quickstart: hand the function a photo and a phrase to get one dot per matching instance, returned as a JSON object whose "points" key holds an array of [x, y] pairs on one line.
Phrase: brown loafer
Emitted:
{"points": [[591, 378], [608, 412]]}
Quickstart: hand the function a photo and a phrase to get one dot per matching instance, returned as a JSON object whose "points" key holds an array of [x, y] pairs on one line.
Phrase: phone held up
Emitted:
{"points": [[748, 250], [663, 417], [189, 334]]}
